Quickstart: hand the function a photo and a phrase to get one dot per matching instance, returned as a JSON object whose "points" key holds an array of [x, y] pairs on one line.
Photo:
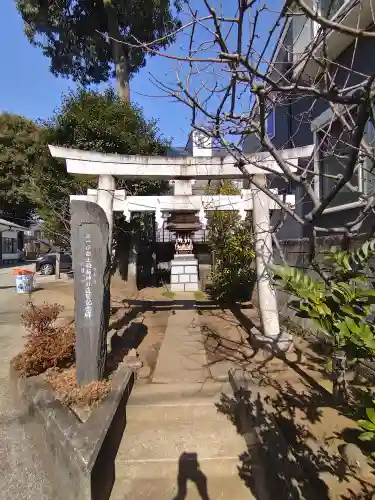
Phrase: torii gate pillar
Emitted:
{"points": [[106, 192], [264, 255]]}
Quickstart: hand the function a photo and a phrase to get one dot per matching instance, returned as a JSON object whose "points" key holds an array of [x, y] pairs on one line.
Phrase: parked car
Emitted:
{"points": [[46, 264]]}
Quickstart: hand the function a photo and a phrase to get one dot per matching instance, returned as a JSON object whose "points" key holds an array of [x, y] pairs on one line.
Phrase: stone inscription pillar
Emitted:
{"points": [[91, 265]]}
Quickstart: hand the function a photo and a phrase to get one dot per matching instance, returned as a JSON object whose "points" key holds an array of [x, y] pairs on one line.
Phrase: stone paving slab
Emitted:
{"points": [[218, 480], [176, 417], [166, 394], [166, 431], [180, 420], [182, 356]]}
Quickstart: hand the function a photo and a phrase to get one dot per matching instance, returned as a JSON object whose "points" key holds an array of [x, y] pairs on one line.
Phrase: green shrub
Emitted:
{"points": [[232, 284], [341, 303], [231, 239], [368, 426]]}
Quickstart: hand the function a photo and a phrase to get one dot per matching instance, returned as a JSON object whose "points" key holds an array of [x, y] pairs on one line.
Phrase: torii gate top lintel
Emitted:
{"points": [[169, 168]]}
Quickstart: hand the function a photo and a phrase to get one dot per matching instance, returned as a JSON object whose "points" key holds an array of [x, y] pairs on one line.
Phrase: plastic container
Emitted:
{"points": [[24, 280]]}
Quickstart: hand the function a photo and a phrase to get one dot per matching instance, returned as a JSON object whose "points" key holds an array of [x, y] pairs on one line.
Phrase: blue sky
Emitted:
{"points": [[29, 89]]}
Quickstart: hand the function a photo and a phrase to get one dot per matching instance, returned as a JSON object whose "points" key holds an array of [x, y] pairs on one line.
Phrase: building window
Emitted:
{"points": [[302, 28], [333, 146], [270, 123], [328, 8], [9, 245], [284, 55]]}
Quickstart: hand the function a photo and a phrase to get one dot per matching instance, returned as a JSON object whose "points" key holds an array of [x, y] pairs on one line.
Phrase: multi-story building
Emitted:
{"points": [[299, 120]]}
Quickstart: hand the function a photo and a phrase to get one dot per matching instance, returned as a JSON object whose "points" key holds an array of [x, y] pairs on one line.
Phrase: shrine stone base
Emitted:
{"points": [[184, 273]]}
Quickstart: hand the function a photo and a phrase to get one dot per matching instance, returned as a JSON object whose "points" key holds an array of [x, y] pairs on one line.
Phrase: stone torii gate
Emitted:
{"points": [[182, 170]]}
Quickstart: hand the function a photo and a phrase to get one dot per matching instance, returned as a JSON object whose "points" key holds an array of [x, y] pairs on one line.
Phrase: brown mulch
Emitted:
{"points": [[225, 335], [64, 383], [141, 318]]}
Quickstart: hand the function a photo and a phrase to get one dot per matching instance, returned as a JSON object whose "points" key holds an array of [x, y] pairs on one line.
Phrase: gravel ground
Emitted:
{"points": [[21, 474]]}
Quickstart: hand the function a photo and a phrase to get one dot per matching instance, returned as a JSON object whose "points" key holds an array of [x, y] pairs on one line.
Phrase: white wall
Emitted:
{"points": [[202, 145], [9, 234], [9, 256]]}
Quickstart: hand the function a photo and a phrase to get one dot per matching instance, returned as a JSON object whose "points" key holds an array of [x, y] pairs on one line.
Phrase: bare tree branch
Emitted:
{"points": [[233, 72]]}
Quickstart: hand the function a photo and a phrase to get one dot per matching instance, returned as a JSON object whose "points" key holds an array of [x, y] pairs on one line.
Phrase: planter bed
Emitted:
{"points": [[78, 456]]}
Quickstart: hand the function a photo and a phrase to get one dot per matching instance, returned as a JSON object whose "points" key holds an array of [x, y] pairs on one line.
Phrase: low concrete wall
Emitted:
{"points": [[78, 456], [296, 252]]}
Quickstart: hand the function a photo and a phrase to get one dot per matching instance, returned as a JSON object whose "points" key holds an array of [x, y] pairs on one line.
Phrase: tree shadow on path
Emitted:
{"points": [[284, 459]]}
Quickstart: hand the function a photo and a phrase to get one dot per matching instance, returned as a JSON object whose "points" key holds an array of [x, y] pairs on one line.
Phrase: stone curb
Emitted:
{"points": [[78, 456]]}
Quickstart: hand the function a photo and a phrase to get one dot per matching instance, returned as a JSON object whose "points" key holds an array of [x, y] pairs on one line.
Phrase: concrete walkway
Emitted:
{"points": [[176, 444], [182, 356]]}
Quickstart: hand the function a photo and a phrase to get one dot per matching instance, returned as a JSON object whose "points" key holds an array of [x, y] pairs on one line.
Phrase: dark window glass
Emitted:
{"points": [[334, 150], [328, 8], [9, 245], [270, 123], [64, 257]]}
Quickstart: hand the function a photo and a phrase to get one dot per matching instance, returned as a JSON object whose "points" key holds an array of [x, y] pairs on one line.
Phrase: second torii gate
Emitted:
{"points": [[182, 170]]}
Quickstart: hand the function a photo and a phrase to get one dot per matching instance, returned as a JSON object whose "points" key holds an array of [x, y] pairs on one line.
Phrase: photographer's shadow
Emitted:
{"points": [[189, 470]]}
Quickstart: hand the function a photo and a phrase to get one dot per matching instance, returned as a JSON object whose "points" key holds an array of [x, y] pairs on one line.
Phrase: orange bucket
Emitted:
{"points": [[19, 271]]}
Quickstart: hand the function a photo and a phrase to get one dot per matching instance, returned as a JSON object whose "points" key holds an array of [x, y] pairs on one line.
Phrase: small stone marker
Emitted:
{"points": [[91, 264]]}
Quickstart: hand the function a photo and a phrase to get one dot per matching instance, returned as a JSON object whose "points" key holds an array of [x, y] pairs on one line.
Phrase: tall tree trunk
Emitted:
{"points": [[120, 55], [122, 73]]}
